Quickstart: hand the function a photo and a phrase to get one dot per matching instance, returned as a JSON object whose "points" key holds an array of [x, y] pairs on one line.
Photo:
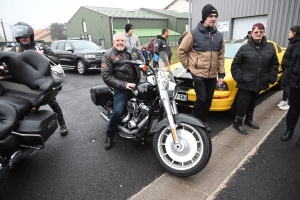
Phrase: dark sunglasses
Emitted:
{"points": [[22, 37], [256, 32]]}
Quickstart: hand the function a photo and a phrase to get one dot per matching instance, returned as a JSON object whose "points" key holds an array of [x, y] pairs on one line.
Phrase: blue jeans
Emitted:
{"points": [[120, 100]]}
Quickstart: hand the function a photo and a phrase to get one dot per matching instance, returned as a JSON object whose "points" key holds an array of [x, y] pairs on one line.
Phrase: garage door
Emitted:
{"points": [[241, 26]]}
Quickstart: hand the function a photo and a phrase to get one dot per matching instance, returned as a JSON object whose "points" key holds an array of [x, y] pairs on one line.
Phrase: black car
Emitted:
{"points": [[80, 55]]}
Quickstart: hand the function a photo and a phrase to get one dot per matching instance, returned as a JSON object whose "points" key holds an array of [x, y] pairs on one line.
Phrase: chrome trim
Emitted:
{"points": [[31, 135]]}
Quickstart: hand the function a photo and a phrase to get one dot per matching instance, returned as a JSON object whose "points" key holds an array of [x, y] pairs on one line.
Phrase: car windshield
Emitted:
{"points": [[231, 49], [85, 45]]}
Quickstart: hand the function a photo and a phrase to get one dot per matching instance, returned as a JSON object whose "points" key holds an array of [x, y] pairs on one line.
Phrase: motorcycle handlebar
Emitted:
{"points": [[135, 62]]}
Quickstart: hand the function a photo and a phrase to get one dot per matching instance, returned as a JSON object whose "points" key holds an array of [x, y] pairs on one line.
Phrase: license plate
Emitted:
{"points": [[181, 97]]}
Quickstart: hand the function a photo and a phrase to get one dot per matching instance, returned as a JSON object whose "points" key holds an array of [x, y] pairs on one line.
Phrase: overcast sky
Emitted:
{"points": [[41, 13]]}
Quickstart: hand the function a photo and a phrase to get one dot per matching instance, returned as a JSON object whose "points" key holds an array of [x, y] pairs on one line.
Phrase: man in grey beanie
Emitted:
{"points": [[201, 52], [131, 39]]}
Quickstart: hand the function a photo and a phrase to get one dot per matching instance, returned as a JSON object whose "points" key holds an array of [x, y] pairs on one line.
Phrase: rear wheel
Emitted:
{"points": [[193, 154], [81, 68]]}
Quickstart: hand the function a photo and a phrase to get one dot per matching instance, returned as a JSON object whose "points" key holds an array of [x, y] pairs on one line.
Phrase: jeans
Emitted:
{"points": [[285, 93], [204, 89], [246, 102], [294, 110], [120, 100]]}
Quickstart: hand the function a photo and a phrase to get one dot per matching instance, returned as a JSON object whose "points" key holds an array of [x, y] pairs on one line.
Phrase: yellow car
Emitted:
{"points": [[224, 95]]}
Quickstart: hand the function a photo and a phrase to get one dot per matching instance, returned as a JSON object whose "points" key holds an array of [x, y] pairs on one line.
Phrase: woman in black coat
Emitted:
{"points": [[289, 54], [292, 78], [254, 66]]}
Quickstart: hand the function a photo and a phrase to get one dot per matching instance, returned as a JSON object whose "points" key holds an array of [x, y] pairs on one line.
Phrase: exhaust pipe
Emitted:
{"points": [[125, 130]]}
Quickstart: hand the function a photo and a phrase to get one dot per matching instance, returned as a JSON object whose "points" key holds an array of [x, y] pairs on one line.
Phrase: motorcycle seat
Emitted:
{"points": [[23, 106], [9, 117]]}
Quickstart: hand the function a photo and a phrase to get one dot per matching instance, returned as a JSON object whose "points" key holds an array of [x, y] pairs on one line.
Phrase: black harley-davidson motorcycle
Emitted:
{"points": [[23, 126], [180, 141]]}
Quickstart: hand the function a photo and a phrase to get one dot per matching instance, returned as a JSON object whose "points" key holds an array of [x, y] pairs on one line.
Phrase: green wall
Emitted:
{"points": [[95, 23]]}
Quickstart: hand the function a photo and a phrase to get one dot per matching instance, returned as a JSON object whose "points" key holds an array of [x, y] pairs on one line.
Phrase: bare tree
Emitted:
{"points": [[58, 31]]}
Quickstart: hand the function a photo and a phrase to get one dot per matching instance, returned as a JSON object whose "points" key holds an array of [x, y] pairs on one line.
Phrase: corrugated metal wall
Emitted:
{"points": [[282, 14]]}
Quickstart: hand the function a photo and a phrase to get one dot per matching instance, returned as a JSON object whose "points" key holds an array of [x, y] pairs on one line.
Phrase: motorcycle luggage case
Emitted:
{"points": [[36, 126], [100, 95]]}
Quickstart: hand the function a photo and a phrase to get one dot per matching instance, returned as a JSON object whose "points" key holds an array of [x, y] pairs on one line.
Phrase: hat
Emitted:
{"points": [[128, 27], [207, 10]]}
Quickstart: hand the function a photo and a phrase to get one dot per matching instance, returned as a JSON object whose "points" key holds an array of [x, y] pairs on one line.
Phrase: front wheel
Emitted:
{"points": [[191, 157], [81, 68]]}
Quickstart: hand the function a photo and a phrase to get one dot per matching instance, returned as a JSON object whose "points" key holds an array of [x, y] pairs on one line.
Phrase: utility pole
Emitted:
{"points": [[12, 34], [3, 31]]}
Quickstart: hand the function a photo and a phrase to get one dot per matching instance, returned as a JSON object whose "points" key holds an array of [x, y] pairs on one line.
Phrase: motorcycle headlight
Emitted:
{"points": [[90, 56], [172, 90], [223, 87]]}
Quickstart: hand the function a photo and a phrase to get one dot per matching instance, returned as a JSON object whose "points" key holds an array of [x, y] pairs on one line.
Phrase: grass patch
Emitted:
{"points": [[175, 55]]}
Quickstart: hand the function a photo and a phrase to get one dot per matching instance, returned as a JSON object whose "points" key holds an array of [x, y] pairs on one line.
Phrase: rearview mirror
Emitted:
{"points": [[69, 49]]}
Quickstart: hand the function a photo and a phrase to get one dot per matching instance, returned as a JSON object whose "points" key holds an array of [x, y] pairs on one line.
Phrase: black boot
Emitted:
{"points": [[108, 143], [238, 125], [249, 121], [287, 135], [298, 142]]}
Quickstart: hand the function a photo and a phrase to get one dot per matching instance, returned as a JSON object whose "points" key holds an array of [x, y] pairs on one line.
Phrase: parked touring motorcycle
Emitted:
{"points": [[181, 143], [23, 127]]}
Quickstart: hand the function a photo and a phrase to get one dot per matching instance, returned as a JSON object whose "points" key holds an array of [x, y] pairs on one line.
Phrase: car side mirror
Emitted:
{"points": [[69, 49]]}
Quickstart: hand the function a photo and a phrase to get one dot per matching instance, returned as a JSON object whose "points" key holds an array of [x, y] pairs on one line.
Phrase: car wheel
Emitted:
{"points": [[81, 68]]}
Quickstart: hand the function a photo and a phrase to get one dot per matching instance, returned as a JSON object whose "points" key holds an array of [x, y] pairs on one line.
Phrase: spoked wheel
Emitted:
{"points": [[192, 155]]}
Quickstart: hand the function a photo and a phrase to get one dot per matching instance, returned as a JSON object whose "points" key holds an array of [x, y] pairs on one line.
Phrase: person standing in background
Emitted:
{"points": [[289, 54], [131, 39]]}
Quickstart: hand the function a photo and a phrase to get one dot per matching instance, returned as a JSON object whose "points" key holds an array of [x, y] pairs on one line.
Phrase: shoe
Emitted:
{"points": [[238, 125], [249, 121], [287, 135], [207, 127], [108, 143], [282, 103], [63, 130], [286, 107]]}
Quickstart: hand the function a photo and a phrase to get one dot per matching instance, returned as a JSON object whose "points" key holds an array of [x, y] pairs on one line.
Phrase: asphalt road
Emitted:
{"points": [[272, 173], [77, 166]]}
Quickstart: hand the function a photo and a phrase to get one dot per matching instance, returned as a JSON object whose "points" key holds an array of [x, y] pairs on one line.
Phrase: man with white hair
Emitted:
{"points": [[121, 77]]}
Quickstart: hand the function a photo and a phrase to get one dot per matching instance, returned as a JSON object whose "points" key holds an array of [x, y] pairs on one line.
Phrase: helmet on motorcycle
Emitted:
{"points": [[22, 29]]}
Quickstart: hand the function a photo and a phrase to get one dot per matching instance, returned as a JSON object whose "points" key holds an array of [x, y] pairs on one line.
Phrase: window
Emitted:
{"points": [[279, 49], [68, 46], [54, 46], [61, 46]]}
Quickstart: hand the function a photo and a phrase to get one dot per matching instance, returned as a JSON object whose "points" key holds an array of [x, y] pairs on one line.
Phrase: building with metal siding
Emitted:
{"points": [[102, 23], [280, 15]]}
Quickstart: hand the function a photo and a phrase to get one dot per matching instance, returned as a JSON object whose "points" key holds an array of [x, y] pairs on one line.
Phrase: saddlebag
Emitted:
{"points": [[37, 127], [100, 95]]}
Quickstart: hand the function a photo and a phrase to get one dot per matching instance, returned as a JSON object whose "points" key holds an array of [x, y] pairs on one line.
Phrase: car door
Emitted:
{"points": [[59, 50], [69, 57]]}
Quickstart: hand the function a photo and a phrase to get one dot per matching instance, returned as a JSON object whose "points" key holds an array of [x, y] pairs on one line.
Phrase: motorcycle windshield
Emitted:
{"points": [[164, 67]]}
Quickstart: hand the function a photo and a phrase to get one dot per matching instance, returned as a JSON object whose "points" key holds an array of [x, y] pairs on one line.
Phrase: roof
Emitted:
{"points": [[121, 13], [172, 13], [38, 34], [147, 32]]}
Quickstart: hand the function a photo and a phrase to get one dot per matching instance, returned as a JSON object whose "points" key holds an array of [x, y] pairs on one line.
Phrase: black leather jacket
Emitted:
{"points": [[255, 65], [115, 73]]}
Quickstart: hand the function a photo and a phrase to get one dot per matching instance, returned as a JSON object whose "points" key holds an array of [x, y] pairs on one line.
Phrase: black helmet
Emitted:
{"points": [[22, 29]]}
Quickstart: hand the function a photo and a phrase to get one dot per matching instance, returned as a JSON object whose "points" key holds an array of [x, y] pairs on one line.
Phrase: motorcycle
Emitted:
{"points": [[180, 141], [24, 127]]}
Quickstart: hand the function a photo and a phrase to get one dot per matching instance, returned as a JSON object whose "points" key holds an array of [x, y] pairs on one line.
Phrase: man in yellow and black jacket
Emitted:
{"points": [[201, 53]]}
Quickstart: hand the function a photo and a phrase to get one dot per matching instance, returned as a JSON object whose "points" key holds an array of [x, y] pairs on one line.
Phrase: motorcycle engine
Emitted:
{"points": [[137, 111]]}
